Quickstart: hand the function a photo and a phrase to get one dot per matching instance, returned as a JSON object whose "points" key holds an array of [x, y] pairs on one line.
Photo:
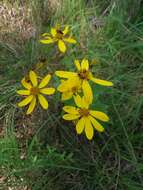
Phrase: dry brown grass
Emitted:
{"points": [[15, 23], [54, 4]]}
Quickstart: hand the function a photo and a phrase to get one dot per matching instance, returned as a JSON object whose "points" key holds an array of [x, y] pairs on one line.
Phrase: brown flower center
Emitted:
{"points": [[84, 112], [34, 91], [74, 89], [84, 74], [59, 34]]}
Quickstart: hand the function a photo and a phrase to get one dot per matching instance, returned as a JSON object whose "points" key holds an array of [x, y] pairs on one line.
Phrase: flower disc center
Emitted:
{"points": [[74, 89], [34, 91], [83, 74], [84, 112], [59, 34]]}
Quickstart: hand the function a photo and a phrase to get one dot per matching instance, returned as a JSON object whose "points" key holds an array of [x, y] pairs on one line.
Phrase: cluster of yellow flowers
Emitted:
{"points": [[58, 36], [33, 90], [74, 85]]}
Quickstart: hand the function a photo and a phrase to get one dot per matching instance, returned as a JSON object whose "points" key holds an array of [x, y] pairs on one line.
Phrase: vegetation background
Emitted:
{"points": [[41, 151]]}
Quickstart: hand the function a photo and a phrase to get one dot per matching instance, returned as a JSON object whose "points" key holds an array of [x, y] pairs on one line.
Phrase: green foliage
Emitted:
{"points": [[55, 157]]}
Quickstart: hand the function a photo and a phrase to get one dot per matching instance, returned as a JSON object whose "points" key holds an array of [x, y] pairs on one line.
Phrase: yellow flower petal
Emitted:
{"points": [[31, 106], [45, 81], [26, 84], [63, 87], [25, 101], [66, 30], [85, 103], [99, 115], [46, 34], [23, 92], [62, 46], [74, 81], [62, 80], [53, 32], [88, 129], [66, 96], [77, 64], [87, 91], [70, 40], [43, 101], [47, 41], [80, 125], [102, 82], [47, 91], [33, 78], [70, 117], [78, 101], [85, 65], [70, 109], [96, 124], [65, 74], [72, 85]]}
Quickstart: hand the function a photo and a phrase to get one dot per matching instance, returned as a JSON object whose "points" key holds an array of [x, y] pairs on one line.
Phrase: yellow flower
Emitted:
{"points": [[83, 74], [58, 36], [84, 117], [68, 88], [33, 90]]}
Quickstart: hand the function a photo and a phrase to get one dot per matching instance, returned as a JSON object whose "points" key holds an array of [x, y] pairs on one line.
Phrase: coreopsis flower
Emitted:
{"points": [[59, 36], [85, 118], [34, 91], [69, 88], [84, 75]]}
